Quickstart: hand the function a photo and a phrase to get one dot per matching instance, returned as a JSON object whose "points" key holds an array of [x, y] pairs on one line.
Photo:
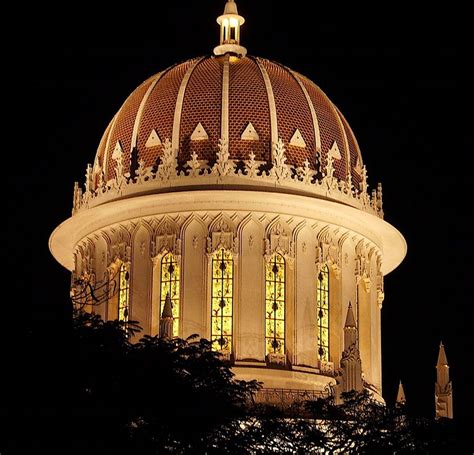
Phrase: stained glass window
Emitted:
{"points": [[124, 292], [322, 301], [222, 300], [170, 285], [275, 305]]}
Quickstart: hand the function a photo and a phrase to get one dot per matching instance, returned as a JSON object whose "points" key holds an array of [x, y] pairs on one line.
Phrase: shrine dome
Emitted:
{"points": [[228, 198], [249, 102]]}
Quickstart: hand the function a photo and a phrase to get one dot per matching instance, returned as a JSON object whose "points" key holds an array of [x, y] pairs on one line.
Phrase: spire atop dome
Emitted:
{"points": [[230, 23]]}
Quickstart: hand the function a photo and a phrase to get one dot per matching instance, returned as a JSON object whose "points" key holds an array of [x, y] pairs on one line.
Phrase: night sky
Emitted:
{"points": [[395, 78]]}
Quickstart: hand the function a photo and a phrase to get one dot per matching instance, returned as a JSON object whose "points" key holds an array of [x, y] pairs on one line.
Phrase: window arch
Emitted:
{"points": [[222, 294], [275, 305], [322, 303], [170, 285], [124, 292]]}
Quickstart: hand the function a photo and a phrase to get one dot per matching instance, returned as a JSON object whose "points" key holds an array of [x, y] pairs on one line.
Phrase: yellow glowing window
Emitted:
{"points": [[124, 292], [222, 300], [170, 285], [322, 300], [275, 305]]}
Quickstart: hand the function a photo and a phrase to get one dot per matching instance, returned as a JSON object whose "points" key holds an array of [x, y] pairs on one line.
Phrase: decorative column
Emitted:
{"points": [[443, 387], [166, 320], [351, 364]]}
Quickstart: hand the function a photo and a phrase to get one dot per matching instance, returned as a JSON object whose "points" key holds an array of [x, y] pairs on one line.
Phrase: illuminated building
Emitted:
{"points": [[232, 188]]}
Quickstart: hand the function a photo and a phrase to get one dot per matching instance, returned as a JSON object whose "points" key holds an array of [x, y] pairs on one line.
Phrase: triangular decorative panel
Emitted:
{"points": [[334, 151], [199, 133], [118, 151], [297, 139], [153, 139], [358, 167], [250, 134]]}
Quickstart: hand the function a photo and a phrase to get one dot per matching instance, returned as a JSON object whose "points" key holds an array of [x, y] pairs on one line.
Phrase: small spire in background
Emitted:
{"points": [[350, 319], [350, 328], [351, 364], [442, 360], [166, 321], [443, 387], [401, 399]]}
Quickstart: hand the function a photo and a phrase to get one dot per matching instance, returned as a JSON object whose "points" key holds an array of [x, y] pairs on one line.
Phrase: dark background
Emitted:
{"points": [[395, 75]]}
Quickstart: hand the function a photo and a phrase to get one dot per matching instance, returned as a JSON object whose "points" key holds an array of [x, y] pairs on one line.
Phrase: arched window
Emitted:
{"points": [[322, 302], [170, 285], [275, 305], [124, 292], [222, 300]]}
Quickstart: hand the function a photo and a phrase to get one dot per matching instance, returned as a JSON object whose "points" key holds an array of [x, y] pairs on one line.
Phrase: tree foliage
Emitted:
{"points": [[97, 392]]}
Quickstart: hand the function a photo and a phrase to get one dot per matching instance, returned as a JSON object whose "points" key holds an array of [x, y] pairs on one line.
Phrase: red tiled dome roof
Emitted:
{"points": [[225, 95]]}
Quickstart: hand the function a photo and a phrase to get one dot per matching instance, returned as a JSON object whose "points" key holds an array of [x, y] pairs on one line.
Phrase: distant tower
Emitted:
{"points": [[401, 399], [443, 387], [350, 362], [166, 321]]}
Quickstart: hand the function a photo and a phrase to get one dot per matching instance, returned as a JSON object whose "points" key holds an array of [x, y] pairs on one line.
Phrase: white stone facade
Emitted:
{"points": [[358, 247]]}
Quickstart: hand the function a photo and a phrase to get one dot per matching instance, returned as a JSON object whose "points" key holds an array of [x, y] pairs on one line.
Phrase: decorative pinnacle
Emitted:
{"points": [[442, 359], [230, 23], [167, 310], [231, 8], [401, 399], [350, 320]]}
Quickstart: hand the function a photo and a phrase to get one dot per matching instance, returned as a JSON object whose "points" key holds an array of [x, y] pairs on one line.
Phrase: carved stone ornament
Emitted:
{"points": [[120, 244], [101, 187], [275, 358], [328, 252], [143, 173], [329, 182], [326, 367], [278, 241], [76, 205], [119, 180], [194, 165], [221, 235], [280, 170], [363, 268], [167, 238], [223, 166], [380, 282], [169, 163], [98, 190], [89, 179], [305, 174], [351, 354], [251, 166]]}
